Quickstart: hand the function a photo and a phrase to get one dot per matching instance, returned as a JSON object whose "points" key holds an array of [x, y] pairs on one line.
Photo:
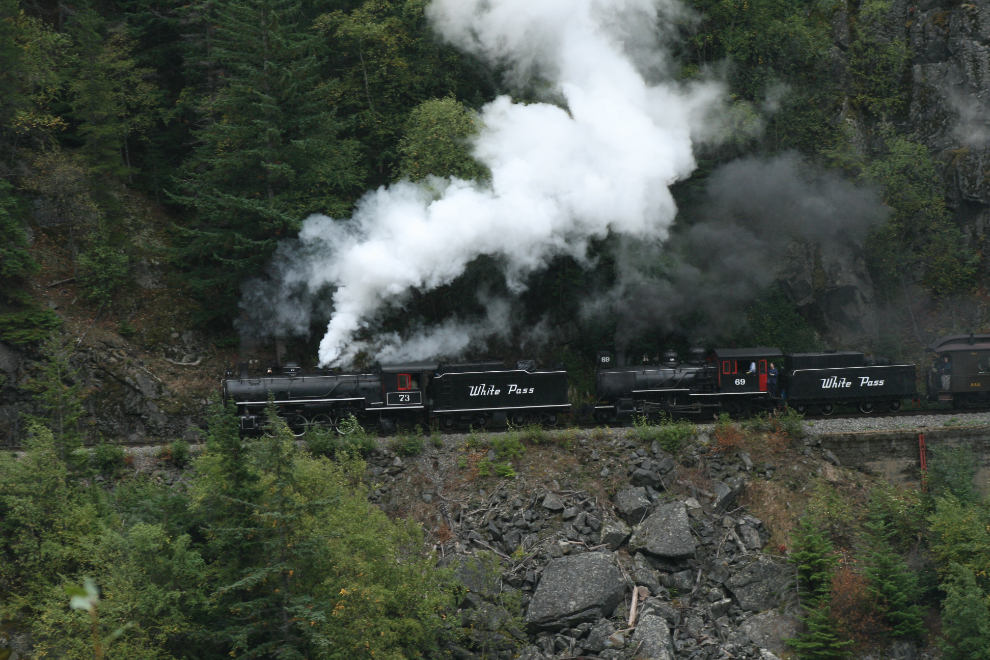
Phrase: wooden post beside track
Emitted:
{"points": [[922, 450]]}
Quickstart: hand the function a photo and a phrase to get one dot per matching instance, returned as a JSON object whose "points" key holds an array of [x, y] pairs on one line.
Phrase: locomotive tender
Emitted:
{"points": [[452, 395]]}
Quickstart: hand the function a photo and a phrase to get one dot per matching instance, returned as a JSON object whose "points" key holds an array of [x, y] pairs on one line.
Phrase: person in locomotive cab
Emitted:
{"points": [[752, 368], [772, 380], [945, 368]]}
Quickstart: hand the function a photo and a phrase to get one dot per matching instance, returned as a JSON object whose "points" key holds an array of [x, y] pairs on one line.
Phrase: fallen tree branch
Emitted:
{"points": [[66, 281], [185, 364]]}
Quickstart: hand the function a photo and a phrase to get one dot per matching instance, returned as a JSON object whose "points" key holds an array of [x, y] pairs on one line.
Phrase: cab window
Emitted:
{"points": [[405, 382]]}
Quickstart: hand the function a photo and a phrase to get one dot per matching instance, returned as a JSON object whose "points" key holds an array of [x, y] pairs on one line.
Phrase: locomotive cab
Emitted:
{"points": [[404, 385], [744, 370]]}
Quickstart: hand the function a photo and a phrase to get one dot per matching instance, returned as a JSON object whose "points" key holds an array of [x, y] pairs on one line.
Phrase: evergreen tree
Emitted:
{"points": [[109, 94], [22, 320], [228, 492], [273, 613], [58, 391], [893, 586], [814, 557], [46, 522], [268, 155], [821, 639], [965, 619]]}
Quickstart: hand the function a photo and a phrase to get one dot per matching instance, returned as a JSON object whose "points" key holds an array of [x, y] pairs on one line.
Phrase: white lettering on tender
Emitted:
{"points": [[483, 390], [835, 382], [515, 389]]}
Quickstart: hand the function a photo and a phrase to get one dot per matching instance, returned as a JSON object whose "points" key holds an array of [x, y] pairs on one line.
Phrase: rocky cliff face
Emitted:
{"points": [[129, 394]]}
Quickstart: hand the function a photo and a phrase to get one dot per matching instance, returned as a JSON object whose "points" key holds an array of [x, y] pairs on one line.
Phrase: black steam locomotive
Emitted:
{"points": [[476, 394], [740, 381]]}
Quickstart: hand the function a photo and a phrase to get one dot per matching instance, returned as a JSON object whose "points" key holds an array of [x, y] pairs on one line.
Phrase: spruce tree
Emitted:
{"points": [[22, 320], [59, 392], [109, 94], [272, 615], [893, 586], [965, 619], [814, 557], [267, 156], [821, 639]]}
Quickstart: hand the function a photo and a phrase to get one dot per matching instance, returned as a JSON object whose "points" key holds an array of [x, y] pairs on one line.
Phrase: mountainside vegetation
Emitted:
{"points": [[154, 155]]}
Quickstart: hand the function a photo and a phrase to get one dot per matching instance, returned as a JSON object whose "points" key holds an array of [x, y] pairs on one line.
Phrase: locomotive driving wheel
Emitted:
{"points": [[297, 424], [866, 407]]}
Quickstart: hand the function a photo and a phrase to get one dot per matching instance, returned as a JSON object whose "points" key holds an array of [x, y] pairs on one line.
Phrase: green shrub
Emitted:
{"points": [[486, 468], [790, 422], [179, 453], [349, 438], [408, 443], [965, 619], [951, 472], [107, 458], [508, 446], [535, 434], [670, 435]]}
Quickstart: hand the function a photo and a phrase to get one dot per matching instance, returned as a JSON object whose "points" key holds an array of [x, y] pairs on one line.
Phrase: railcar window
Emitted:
{"points": [[983, 364]]}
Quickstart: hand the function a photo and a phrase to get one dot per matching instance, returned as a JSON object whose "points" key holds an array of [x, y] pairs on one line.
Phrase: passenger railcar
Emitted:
{"points": [[960, 370]]}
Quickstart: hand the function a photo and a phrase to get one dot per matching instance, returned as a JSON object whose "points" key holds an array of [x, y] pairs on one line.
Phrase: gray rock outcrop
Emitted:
{"points": [[758, 586], [652, 639], [572, 590], [665, 534]]}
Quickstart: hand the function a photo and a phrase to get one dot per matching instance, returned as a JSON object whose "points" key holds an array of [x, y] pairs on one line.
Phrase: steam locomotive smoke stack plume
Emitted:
{"points": [[560, 177]]}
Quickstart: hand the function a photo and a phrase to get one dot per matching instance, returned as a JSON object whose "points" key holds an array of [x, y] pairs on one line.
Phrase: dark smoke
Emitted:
{"points": [[724, 251]]}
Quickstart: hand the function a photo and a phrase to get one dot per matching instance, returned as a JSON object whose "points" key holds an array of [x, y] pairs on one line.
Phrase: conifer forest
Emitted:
{"points": [[187, 186]]}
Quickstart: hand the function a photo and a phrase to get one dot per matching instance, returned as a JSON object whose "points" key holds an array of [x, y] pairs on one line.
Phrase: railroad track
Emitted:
{"points": [[911, 412]]}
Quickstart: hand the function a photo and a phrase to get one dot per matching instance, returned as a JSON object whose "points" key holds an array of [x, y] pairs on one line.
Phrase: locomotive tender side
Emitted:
{"points": [[821, 381], [480, 394]]}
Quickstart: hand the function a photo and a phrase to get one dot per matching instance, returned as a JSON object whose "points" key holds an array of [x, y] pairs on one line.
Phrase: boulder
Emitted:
{"points": [[479, 578], [633, 504], [758, 586], [652, 639], [724, 496], [615, 533], [750, 537], [552, 503], [597, 640], [641, 477], [769, 629], [666, 533], [586, 587]]}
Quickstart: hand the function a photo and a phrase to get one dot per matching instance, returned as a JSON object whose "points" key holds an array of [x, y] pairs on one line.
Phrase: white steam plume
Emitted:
{"points": [[560, 176]]}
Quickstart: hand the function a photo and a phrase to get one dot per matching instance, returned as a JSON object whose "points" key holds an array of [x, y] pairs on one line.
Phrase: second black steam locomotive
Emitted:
{"points": [[740, 381]]}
